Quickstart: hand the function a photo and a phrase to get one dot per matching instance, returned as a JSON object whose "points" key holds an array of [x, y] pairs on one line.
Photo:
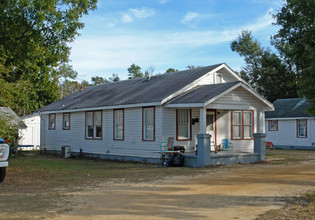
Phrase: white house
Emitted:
{"points": [[290, 126], [30, 136], [130, 118]]}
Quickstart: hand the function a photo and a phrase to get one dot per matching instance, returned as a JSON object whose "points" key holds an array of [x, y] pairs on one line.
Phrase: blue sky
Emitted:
{"points": [[167, 33]]}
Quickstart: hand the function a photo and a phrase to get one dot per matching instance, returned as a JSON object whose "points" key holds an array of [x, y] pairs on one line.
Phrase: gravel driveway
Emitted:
{"points": [[229, 192]]}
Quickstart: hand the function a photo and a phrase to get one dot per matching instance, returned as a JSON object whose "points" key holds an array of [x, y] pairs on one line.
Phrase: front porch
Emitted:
{"points": [[204, 157]]}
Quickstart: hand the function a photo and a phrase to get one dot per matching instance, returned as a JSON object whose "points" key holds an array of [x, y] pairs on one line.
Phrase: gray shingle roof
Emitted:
{"points": [[127, 92], [204, 93], [289, 108]]}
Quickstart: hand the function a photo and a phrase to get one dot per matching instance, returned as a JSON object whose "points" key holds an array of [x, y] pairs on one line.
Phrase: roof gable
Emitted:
{"points": [[206, 94]]}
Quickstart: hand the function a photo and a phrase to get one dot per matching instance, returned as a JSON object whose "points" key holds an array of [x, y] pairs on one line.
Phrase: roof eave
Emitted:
{"points": [[101, 108]]}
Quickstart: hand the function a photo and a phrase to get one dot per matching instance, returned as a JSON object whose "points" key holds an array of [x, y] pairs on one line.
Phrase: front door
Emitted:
{"points": [[211, 127]]}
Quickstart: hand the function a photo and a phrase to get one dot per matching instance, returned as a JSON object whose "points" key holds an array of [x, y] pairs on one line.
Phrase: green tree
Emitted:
{"points": [[264, 70], [171, 70], [134, 71], [296, 42], [97, 80], [114, 78], [34, 39], [63, 72], [8, 131], [85, 84]]}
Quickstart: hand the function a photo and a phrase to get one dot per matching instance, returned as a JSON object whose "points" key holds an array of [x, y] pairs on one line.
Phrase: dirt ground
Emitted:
{"points": [[229, 192]]}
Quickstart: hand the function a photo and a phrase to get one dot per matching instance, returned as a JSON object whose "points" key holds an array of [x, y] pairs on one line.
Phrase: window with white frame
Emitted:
{"points": [[242, 125], [52, 122], [301, 128], [66, 121], [183, 124], [273, 125], [237, 125], [148, 123], [93, 125], [118, 124], [248, 124]]}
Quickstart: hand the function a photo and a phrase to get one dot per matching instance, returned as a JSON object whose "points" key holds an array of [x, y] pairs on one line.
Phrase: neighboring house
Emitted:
{"points": [[130, 118], [290, 126], [12, 118], [30, 136]]}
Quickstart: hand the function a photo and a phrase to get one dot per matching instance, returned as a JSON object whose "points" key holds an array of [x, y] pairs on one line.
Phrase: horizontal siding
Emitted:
{"points": [[132, 145], [208, 79], [237, 99], [224, 132], [287, 134], [170, 128], [227, 77], [211, 78]]}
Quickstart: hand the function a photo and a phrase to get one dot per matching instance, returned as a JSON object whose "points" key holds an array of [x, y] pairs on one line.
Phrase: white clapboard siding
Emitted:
{"points": [[170, 128], [287, 133], [239, 98], [206, 80], [132, 145], [213, 78], [226, 76], [224, 132]]}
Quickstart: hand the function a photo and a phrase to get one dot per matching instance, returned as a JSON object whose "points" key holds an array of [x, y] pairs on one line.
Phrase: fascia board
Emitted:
{"points": [[292, 118], [184, 105], [103, 108]]}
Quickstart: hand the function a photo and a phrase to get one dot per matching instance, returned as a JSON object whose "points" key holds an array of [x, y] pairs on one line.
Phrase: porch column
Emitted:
{"points": [[260, 121], [203, 150], [203, 120], [260, 145]]}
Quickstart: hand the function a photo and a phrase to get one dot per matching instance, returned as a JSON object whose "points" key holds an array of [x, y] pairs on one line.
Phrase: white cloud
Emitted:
{"points": [[142, 12], [137, 13], [163, 1], [126, 18], [189, 17]]}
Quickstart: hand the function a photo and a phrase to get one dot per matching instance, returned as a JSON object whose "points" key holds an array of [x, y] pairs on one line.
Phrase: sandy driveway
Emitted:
{"points": [[238, 192]]}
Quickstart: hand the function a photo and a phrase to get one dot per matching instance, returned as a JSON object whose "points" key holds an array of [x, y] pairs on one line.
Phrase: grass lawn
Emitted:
{"points": [[35, 183]]}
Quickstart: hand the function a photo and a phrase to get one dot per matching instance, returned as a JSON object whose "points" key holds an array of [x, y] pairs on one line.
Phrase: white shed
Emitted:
{"points": [[30, 136]]}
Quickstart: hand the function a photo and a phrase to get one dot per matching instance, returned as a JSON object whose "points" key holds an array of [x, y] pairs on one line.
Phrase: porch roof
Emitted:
{"points": [[204, 93]]}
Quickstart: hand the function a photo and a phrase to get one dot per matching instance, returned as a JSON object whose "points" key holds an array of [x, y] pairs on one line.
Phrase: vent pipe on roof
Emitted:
{"points": [[147, 76]]}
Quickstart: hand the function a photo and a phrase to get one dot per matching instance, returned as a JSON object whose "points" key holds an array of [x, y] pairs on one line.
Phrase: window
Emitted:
{"points": [[119, 124], [242, 125], [237, 125], [301, 126], [93, 125], [273, 125], [183, 124], [218, 78], [148, 124], [52, 122], [66, 121]]}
